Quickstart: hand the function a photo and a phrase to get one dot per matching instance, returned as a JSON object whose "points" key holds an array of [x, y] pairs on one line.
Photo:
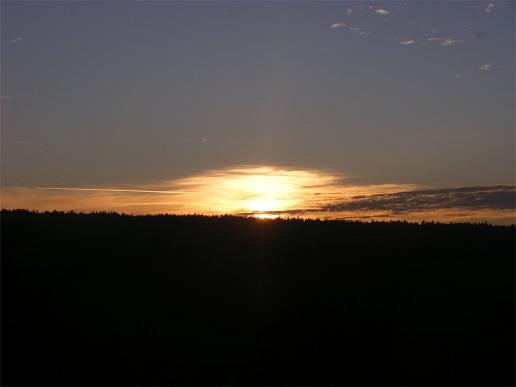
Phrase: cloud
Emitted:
{"points": [[16, 40], [486, 67], [407, 42], [109, 190], [337, 25], [381, 11], [489, 8], [449, 41], [466, 198], [348, 11], [444, 41]]}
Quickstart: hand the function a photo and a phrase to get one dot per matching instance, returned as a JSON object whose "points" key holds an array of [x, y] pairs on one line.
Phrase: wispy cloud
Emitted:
{"points": [[349, 11], [444, 41], [337, 25], [407, 42], [449, 41], [467, 198], [381, 11], [489, 8], [16, 40], [486, 67], [109, 190]]}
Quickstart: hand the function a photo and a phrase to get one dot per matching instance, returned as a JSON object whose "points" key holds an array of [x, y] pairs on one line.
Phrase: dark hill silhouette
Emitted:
{"points": [[104, 299]]}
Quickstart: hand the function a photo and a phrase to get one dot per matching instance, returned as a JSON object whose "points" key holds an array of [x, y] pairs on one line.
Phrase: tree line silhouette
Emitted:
{"points": [[111, 299]]}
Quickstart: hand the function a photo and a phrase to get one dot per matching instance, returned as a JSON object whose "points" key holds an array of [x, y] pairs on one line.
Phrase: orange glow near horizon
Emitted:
{"points": [[261, 191]]}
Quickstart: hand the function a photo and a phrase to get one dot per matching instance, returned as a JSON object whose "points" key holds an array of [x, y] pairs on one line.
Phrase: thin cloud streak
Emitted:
{"points": [[381, 11], [444, 41], [337, 25], [109, 190]]}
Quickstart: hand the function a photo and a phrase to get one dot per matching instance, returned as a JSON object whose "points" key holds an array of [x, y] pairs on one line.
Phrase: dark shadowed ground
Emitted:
{"points": [[159, 300]]}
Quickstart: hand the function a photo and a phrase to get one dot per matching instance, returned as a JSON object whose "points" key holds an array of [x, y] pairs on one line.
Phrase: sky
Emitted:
{"points": [[260, 107]]}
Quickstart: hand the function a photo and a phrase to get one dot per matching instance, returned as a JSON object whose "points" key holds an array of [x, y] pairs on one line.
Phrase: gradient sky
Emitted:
{"points": [[113, 93]]}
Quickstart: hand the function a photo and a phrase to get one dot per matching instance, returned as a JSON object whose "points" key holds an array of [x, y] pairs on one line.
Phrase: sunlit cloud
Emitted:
{"points": [[449, 41], [444, 41], [381, 11], [407, 42], [489, 8], [486, 67], [337, 25], [267, 191]]}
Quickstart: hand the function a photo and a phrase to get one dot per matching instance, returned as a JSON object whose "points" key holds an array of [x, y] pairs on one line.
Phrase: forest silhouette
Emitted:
{"points": [[110, 299]]}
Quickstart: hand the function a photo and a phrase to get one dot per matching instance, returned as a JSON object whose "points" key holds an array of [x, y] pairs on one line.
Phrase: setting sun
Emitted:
{"points": [[253, 190], [262, 205]]}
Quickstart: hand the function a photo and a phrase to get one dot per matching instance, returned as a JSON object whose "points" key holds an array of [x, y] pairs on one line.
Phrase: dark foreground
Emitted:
{"points": [[107, 299]]}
